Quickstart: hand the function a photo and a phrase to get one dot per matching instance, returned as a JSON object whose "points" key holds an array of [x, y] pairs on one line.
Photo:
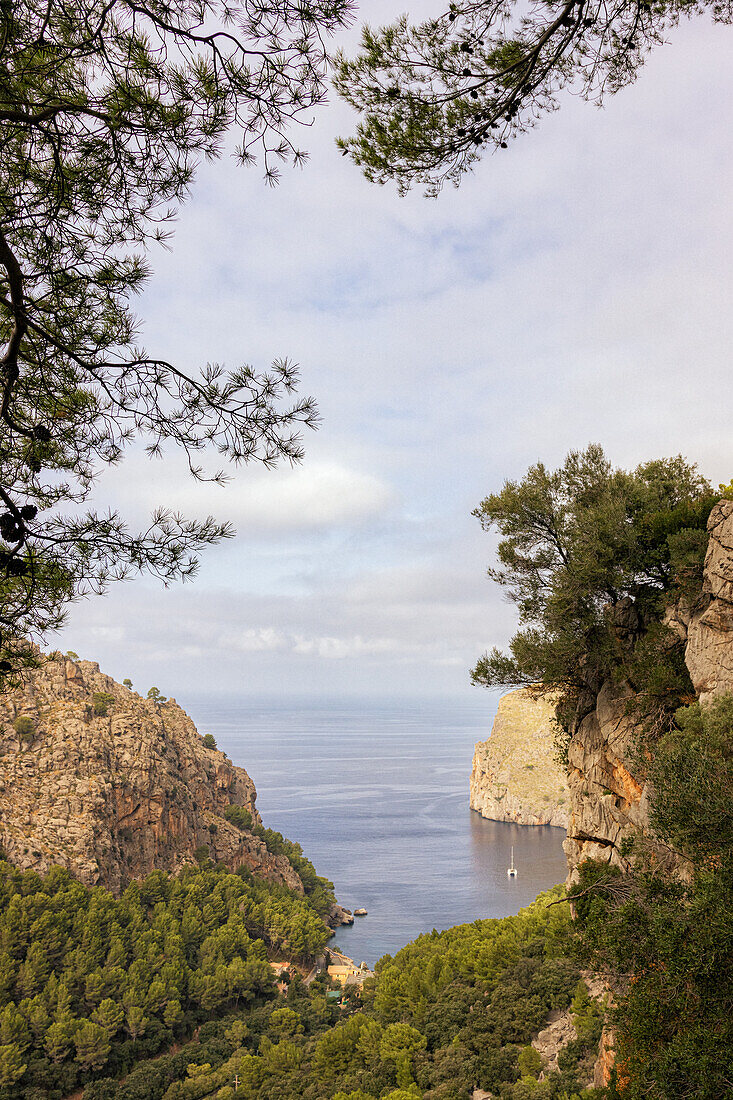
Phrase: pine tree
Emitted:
{"points": [[92, 1045]]}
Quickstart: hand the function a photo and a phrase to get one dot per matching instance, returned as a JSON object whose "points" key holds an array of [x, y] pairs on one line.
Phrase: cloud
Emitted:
{"points": [[575, 289], [412, 630], [262, 640], [340, 648], [313, 496]]}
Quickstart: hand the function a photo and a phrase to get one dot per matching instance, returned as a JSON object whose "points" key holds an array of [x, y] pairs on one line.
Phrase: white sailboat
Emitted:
{"points": [[511, 869]]}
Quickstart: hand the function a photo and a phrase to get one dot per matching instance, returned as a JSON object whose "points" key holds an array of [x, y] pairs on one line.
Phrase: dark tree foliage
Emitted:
{"points": [[592, 556], [452, 1010], [319, 890], [692, 784], [667, 941], [434, 95], [91, 983], [106, 107]]}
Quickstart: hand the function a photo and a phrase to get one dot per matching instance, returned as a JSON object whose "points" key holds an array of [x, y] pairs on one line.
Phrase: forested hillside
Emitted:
{"points": [[90, 982], [167, 992], [624, 586]]}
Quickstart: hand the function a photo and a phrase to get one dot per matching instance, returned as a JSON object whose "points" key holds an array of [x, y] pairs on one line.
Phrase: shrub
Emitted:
{"points": [[692, 776], [101, 702], [127, 683], [209, 741], [106, 1089], [238, 816], [24, 726], [201, 854], [529, 1062]]}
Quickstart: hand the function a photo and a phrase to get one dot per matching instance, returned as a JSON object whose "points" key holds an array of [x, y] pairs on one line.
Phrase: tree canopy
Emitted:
{"points": [[666, 940], [591, 556], [106, 108], [434, 95]]}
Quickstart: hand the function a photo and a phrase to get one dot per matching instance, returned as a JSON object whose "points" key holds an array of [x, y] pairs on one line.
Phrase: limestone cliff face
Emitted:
{"points": [[709, 652], [515, 776], [607, 801], [114, 796]]}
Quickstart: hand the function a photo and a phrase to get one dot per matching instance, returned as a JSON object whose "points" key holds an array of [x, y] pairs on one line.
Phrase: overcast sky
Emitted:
{"points": [[576, 288]]}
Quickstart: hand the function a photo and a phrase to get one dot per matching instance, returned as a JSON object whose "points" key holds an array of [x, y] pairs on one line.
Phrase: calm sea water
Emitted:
{"points": [[377, 795]]}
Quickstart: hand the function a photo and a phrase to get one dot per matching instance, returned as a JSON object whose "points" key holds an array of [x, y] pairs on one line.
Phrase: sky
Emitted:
{"points": [[576, 288]]}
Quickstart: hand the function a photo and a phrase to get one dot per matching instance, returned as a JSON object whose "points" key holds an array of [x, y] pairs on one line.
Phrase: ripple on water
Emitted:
{"points": [[377, 795]]}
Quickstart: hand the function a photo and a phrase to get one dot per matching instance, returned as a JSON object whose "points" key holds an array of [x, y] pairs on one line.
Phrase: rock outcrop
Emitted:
{"points": [[608, 802], [112, 786], [709, 652], [560, 1030], [515, 776]]}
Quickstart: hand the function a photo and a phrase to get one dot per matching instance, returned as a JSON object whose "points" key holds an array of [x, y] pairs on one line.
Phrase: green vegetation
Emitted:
{"points": [[434, 95], [95, 990], [319, 891], [592, 556], [240, 817], [209, 740], [668, 941], [90, 983], [101, 702], [479, 993], [692, 781], [24, 726], [429, 1028]]}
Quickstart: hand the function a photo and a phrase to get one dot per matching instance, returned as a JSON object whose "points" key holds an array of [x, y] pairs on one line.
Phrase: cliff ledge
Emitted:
{"points": [[112, 786], [515, 776]]}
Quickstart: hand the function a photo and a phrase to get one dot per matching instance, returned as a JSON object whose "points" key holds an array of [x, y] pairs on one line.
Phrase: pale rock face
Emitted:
{"points": [[608, 802], [515, 776], [560, 1030], [709, 653], [114, 797]]}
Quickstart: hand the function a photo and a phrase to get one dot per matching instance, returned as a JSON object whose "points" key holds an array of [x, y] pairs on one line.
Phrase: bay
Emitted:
{"points": [[376, 793]]}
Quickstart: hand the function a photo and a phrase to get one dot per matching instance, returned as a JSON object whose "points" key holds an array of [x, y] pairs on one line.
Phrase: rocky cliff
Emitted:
{"points": [[110, 785], [515, 776], [608, 802]]}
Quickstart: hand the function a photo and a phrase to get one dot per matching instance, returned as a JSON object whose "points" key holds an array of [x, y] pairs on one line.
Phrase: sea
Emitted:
{"points": [[376, 793]]}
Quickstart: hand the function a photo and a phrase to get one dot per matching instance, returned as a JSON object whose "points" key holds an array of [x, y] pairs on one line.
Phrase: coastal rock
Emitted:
{"points": [[709, 653], [112, 786], [560, 1029], [608, 802], [606, 1058], [515, 776]]}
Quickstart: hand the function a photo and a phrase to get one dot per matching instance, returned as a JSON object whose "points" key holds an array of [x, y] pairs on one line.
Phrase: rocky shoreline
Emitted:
{"points": [[515, 776]]}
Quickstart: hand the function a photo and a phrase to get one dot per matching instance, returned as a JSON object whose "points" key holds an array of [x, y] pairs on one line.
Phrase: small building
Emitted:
{"points": [[339, 972], [347, 972]]}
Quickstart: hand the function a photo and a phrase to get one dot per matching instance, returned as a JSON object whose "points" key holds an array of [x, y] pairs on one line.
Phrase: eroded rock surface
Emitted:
{"points": [[608, 802], [114, 796], [709, 653], [515, 776], [560, 1029]]}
